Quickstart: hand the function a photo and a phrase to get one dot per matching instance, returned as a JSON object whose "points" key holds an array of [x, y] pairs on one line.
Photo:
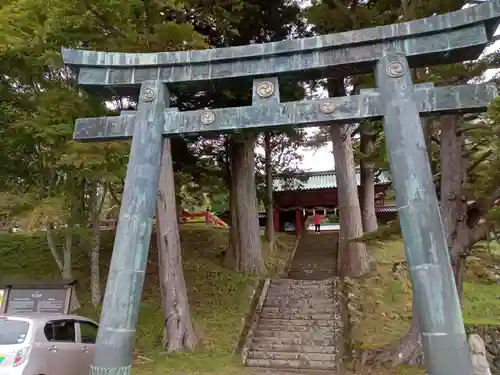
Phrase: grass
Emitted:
{"points": [[219, 298], [384, 300]]}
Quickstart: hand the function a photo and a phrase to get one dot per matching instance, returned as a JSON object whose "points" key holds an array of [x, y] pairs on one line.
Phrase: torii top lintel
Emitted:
{"points": [[447, 38]]}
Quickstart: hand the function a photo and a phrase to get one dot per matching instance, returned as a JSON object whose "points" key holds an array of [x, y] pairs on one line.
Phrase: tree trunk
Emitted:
{"points": [[354, 261], [95, 279], [53, 247], [178, 329], [64, 263], [353, 256], [369, 218], [453, 201], [67, 271], [251, 259], [270, 234], [95, 218], [232, 257]]}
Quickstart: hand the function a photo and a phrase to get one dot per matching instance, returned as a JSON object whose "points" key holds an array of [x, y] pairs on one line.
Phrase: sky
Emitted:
{"points": [[322, 159]]}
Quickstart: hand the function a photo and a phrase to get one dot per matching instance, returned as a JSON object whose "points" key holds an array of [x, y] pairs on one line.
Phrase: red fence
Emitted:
{"points": [[206, 216]]}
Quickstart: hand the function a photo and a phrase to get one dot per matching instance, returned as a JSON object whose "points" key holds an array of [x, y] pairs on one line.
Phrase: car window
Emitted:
{"points": [[88, 332], [13, 331], [60, 331]]}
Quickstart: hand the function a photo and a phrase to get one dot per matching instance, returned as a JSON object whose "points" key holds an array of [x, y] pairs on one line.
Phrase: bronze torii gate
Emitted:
{"points": [[389, 52]]}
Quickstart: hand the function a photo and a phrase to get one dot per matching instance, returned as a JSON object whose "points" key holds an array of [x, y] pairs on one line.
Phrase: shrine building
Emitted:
{"points": [[297, 196]]}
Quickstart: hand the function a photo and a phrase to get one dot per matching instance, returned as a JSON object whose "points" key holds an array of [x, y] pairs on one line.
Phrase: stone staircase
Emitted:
{"points": [[315, 257], [299, 325]]}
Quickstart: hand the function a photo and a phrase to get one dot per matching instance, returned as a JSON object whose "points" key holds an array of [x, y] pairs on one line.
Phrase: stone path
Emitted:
{"points": [[298, 329], [316, 257]]}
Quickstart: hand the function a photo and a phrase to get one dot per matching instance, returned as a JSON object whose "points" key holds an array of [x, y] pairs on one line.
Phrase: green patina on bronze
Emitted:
{"points": [[368, 105], [388, 51]]}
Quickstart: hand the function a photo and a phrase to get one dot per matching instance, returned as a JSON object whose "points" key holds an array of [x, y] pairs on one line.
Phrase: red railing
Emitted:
{"points": [[208, 217]]}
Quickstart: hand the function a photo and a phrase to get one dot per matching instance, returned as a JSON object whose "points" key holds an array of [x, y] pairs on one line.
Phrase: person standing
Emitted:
{"points": [[317, 223]]}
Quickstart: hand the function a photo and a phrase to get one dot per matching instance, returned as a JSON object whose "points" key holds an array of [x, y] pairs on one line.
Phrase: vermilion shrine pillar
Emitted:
{"points": [[276, 219], [299, 223]]}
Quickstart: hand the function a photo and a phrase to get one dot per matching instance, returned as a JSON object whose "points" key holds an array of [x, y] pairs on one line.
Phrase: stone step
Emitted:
{"points": [[308, 262], [301, 295], [316, 256], [314, 260], [324, 357], [324, 248], [271, 347], [311, 275], [317, 249], [318, 243], [297, 364], [297, 288], [301, 316], [306, 272], [291, 371], [301, 287], [313, 266], [298, 295], [316, 237], [307, 283], [307, 341], [310, 270], [297, 322], [313, 334], [292, 328], [317, 252], [294, 310], [314, 263], [297, 300], [298, 303]]}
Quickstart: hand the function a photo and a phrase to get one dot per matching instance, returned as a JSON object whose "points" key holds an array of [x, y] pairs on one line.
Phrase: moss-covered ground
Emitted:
{"points": [[384, 300]]}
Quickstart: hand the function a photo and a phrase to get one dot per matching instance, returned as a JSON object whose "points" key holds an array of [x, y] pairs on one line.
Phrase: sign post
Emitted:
{"points": [[36, 297]]}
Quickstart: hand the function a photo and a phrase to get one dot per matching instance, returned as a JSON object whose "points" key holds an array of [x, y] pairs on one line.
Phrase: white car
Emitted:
{"points": [[46, 344]]}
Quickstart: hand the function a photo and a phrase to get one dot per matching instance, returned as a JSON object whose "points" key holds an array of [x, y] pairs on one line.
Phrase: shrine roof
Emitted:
{"points": [[321, 180]]}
